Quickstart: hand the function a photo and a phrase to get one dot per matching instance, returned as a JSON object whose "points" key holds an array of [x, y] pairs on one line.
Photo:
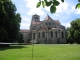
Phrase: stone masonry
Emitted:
{"points": [[48, 31]]}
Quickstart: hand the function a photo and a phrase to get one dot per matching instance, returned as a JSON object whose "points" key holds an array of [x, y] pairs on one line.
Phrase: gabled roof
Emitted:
{"points": [[48, 18]]}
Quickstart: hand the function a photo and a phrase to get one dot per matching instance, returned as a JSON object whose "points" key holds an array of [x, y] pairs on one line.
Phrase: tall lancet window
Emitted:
{"points": [[51, 34], [56, 34], [49, 23], [43, 34], [36, 18], [62, 34], [46, 23], [39, 34]]}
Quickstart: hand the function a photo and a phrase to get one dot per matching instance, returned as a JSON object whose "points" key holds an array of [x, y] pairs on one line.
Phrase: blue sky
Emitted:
{"points": [[65, 13]]}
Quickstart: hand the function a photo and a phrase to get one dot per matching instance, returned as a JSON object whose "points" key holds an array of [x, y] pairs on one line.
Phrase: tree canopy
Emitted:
{"points": [[52, 4], [9, 21], [74, 31]]}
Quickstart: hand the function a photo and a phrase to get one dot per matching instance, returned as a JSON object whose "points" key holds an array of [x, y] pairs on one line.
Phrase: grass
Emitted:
{"points": [[41, 52]]}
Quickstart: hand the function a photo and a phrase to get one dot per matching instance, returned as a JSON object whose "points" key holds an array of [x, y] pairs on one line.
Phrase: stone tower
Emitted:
{"points": [[34, 21]]}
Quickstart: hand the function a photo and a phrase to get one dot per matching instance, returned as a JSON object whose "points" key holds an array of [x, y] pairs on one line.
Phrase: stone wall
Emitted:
{"points": [[57, 38], [26, 36]]}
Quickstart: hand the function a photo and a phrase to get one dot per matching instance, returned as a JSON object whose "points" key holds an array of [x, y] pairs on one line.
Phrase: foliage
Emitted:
{"points": [[41, 52], [9, 21], [20, 40], [52, 4], [3, 35], [74, 31]]}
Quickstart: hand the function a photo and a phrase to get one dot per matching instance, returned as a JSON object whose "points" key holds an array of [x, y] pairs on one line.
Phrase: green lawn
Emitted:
{"points": [[41, 52]]}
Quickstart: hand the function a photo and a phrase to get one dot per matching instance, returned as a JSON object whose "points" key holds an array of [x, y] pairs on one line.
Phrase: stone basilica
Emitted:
{"points": [[48, 31]]}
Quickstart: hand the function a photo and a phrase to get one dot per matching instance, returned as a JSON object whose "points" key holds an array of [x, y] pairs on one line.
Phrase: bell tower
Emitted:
{"points": [[34, 21], [35, 18]]}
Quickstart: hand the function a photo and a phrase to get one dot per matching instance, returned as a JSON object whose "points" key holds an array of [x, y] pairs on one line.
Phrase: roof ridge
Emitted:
{"points": [[48, 17]]}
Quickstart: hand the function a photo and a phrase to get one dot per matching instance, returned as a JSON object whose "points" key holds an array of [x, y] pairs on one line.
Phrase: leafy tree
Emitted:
{"points": [[9, 21], [3, 35], [74, 31], [20, 40], [52, 4]]}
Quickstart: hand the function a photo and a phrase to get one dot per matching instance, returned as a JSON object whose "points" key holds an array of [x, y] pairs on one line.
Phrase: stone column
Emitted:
{"points": [[47, 33], [36, 36], [41, 34], [32, 36], [64, 34]]}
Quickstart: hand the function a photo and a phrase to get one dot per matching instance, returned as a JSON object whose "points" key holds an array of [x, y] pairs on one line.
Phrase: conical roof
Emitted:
{"points": [[48, 18]]}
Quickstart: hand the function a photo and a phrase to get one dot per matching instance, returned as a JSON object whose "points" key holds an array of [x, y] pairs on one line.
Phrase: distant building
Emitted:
{"points": [[48, 31]]}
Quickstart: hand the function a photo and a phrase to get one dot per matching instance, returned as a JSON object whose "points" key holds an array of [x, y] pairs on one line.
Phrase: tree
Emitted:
{"points": [[74, 31], [20, 40], [9, 21], [52, 4]]}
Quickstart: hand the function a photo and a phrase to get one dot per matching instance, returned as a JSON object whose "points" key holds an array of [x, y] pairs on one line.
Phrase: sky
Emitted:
{"points": [[65, 12]]}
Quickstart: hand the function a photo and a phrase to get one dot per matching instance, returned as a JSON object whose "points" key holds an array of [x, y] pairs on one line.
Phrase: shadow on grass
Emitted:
{"points": [[13, 47]]}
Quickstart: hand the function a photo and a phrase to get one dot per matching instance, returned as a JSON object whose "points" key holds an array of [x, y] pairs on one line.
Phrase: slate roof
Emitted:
{"points": [[48, 18], [57, 22]]}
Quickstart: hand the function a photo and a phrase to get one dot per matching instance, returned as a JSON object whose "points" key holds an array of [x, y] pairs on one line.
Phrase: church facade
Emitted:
{"points": [[48, 31]]}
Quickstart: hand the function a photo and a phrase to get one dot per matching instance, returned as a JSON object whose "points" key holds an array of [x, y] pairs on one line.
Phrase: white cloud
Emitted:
{"points": [[77, 11], [25, 23], [27, 19], [63, 7], [66, 24], [32, 5]]}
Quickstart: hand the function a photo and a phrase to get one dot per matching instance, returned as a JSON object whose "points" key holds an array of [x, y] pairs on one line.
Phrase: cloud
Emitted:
{"points": [[25, 22], [32, 6], [26, 19], [24, 26], [65, 8], [62, 8], [66, 24], [76, 11]]}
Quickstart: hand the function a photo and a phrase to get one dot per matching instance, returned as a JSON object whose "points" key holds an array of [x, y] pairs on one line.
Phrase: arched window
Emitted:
{"points": [[43, 34], [39, 34], [56, 34], [46, 23], [49, 23], [33, 35], [62, 34], [51, 34], [36, 18]]}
